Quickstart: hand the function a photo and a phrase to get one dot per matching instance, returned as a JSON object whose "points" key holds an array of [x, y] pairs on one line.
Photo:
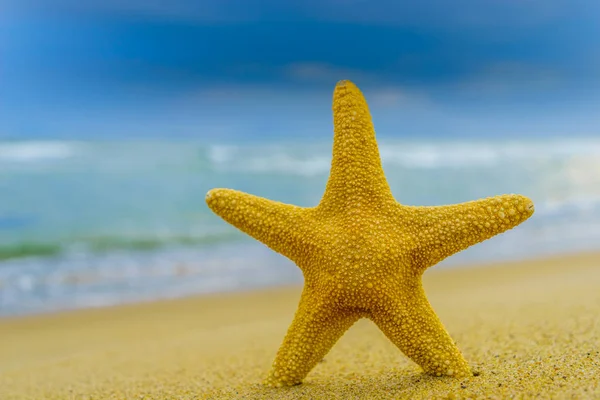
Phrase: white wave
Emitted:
{"points": [[464, 154], [428, 156], [576, 204], [284, 163], [310, 161], [35, 150], [270, 159], [221, 154]]}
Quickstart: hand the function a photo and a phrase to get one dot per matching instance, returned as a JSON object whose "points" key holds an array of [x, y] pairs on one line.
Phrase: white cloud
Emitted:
{"points": [[378, 92], [392, 96], [508, 77], [321, 72]]}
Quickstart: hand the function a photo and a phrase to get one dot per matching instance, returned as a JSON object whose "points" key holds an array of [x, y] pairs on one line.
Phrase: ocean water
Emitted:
{"points": [[94, 223]]}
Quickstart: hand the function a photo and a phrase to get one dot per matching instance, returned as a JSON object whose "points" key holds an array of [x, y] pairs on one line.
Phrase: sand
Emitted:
{"points": [[529, 329]]}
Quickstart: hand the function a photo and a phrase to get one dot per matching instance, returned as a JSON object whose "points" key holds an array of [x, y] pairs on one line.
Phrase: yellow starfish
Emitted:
{"points": [[362, 253]]}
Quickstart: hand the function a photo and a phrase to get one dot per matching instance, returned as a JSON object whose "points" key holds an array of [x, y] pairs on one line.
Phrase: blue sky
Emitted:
{"points": [[242, 69]]}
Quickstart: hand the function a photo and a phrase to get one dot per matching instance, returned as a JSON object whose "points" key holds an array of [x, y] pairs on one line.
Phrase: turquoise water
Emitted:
{"points": [[87, 223]]}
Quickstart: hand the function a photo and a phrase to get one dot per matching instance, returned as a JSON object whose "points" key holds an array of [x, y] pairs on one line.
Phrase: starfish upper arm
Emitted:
{"points": [[280, 226], [446, 230]]}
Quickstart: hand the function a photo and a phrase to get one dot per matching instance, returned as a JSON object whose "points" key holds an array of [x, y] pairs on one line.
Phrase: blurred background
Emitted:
{"points": [[116, 117]]}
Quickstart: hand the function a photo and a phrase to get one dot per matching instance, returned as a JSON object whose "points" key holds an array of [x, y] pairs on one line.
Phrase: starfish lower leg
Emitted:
{"points": [[315, 329], [420, 335]]}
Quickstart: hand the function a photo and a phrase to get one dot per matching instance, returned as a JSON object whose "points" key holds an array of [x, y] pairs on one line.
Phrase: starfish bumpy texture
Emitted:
{"points": [[362, 253]]}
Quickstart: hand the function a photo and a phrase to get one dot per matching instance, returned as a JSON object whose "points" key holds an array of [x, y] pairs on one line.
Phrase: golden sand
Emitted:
{"points": [[529, 328]]}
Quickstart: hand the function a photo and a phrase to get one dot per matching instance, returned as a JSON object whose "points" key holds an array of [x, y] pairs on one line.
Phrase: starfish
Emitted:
{"points": [[362, 253]]}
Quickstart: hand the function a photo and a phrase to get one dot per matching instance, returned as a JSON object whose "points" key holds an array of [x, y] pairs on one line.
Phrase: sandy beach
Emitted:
{"points": [[528, 328]]}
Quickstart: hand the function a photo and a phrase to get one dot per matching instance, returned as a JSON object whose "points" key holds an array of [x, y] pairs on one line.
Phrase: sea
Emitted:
{"points": [[95, 223]]}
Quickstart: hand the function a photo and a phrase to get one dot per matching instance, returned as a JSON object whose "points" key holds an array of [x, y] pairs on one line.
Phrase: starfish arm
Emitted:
{"points": [[446, 230], [279, 226], [356, 171], [317, 326], [413, 326]]}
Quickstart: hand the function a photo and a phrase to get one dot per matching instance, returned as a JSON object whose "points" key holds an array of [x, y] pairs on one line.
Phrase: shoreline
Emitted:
{"points": [[529, 327], [468, 264]]}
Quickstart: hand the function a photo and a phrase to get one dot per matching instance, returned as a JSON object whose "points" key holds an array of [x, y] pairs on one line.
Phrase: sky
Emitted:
{"points": [[250, 69]]}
